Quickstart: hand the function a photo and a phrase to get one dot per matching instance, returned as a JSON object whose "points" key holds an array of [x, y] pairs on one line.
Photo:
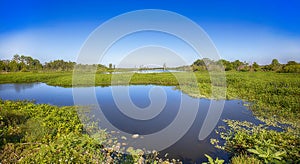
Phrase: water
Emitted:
{"points": [[188, 149], [156, 71], [147, 71]]}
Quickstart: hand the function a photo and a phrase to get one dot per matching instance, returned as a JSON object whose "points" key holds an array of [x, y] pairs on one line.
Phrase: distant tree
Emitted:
{"points": [[208, 61], [101, 68], [244, 67], [199, 62], [275, 65], [4, 65], [291, 67], [291, 63], [164, 66], [275, 62], [13, 66], [199, 65], [255, 66], [237, 65], [59, 65], [36, 65], [110, 66], [22, 58], [16, 58], [226, 64]]}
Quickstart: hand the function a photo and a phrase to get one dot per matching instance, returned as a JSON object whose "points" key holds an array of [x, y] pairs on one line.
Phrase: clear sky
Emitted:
{"points": [[248, 30]]}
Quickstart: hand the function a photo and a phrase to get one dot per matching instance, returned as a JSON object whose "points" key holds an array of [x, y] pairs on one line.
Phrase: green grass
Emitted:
{"points": [[30, 77], [273, 95]]}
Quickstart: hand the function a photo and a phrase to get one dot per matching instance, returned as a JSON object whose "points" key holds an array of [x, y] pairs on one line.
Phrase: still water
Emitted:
{"points": [[189, 148]]}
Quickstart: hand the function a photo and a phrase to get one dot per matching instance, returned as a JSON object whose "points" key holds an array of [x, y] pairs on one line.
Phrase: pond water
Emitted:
{"points": [[189, 148]]}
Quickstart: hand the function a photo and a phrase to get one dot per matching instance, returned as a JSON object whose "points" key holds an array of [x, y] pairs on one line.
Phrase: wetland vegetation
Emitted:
{"points": [[272, 90]]}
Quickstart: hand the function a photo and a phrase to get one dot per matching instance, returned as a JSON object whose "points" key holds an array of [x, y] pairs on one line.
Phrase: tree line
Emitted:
{"points": [[28, 64], [237, 65]]}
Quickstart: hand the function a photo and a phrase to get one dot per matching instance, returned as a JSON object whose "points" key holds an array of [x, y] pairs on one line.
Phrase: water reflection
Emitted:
{"points": [[17, 87]]}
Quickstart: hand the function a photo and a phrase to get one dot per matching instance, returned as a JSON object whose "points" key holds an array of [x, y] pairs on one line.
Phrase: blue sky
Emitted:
{"points": [[245, 30]]}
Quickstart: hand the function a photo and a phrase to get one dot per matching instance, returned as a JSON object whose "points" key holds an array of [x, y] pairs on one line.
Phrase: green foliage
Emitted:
{"points": [[212, 161], [207, 64], [255, 66], [204, 64], [273, 95], [291, 67], [59, 65], [268, 155], [28, 129], [69, 148], [199, 65], [245, 159], [275, 62], [269, 146], [20, 63], [31, 133], [28, 64]]}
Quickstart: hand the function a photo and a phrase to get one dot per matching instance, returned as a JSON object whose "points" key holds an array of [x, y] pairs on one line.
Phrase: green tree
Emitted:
{"points": [[16, 58], [275, 65], [255, 66], [110, 66], [36, 65], [226, 64], [199, 65], [13, 66], [291, 63], [275, 62], [59, 65], [237, 65], [291, 67], [2, 65]]}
